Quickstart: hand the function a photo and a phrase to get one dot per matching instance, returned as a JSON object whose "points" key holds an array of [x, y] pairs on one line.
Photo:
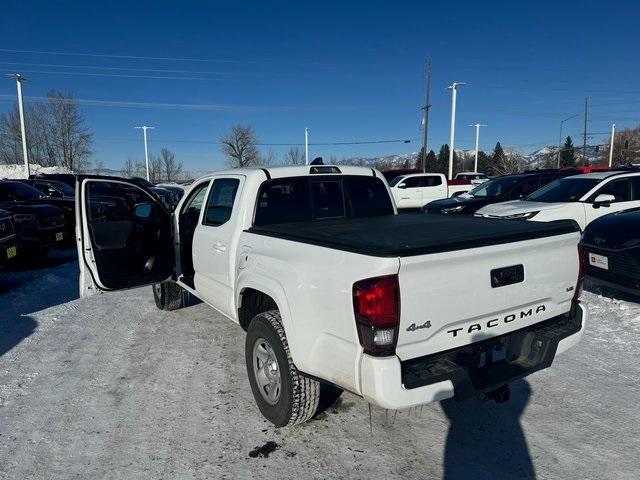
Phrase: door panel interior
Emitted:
{"points": [[132, 242]]}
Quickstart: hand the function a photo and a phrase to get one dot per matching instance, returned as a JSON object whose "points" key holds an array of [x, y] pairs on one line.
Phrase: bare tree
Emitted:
{"points": [[240, 147], [99, 167], [56, 134], [171, 167], [129, 168], [155, 169], [295, 156], [72, 139]]}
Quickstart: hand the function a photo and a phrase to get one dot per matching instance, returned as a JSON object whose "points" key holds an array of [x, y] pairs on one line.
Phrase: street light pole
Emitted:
{"points": [[477, 125], [454, 90], [613, 134], [144, 129], [306, 146], [560, 138], [23, 131]]}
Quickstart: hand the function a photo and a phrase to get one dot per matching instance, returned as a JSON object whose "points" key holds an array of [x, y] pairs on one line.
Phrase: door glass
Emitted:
{"points": [[129, 249], [621, 189], [220, 202], [430, 181], [412, 182]]}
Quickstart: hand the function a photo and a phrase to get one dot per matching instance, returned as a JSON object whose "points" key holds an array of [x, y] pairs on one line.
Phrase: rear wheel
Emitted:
{"points": [[284, 395], [168, 295]]}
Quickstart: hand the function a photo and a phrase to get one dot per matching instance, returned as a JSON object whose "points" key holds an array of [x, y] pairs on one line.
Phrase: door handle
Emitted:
{"points": [[219, 247]]}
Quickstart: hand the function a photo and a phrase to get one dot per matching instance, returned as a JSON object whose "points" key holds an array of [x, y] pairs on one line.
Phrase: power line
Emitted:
{"points": [[294, 144], [141, 57]]}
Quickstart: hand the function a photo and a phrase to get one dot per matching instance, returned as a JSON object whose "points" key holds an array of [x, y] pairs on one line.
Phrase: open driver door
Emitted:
{"points": [[124, 234]]}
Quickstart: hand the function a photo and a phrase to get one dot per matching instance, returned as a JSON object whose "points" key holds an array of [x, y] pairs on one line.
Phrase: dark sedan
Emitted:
{"points": [[611, 250], [8, 250], [500, 189], [37, 227], [16, 192]]}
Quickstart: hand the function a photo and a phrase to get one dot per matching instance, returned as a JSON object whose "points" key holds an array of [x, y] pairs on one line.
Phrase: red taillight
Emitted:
{"points": [[582, 260], [376, 304]]}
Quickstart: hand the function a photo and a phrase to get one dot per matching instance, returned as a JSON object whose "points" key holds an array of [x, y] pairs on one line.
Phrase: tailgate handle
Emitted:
{"points": [[501, 277]]}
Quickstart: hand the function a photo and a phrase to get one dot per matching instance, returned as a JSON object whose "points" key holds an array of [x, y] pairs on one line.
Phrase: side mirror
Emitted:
{"points": [[143, 210], [402, 185], [604, 200]]}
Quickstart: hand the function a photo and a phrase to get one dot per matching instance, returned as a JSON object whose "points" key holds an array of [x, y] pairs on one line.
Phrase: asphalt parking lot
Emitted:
{"points": [[110, 387]]}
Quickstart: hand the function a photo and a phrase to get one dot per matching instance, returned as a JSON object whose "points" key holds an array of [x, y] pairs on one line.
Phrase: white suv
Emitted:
{"points": [[582, 198]]}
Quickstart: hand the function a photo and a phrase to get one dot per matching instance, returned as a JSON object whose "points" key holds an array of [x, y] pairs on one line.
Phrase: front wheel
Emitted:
{"points": [[168, 295], [284, 395]]}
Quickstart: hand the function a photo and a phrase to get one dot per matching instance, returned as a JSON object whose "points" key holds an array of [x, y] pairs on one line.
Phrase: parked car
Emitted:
{"points": [[333, 287], [14, 191], [475, 177], [38, 228], [416, 190], [581, 198], [169, 197], [8, 250], [611, 249], [51, 188], [500, 189]]}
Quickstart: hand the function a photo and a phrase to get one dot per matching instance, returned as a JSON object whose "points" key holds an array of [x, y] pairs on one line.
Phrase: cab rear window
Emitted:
{"points": [[300, 199]]}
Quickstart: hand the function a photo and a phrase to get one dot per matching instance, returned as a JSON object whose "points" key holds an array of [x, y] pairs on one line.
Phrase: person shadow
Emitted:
{"points": [[485, 439]]}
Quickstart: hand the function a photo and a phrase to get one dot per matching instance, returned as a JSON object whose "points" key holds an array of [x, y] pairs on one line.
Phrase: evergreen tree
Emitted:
{"points": [[567, 154], [484, 163], [498, 154], [442, 164], [432, 162], [419, 158]]}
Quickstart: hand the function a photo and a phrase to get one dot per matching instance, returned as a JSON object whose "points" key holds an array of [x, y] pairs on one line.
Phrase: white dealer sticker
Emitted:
{"points": [[599, 261]]}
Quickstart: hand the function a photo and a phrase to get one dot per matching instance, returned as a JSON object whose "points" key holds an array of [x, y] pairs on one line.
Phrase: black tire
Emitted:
{"points": [[168, 295], [298, 395]]}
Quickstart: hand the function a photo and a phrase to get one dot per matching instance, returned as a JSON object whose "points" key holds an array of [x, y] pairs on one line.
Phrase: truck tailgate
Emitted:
{"points": [[455, 298]]}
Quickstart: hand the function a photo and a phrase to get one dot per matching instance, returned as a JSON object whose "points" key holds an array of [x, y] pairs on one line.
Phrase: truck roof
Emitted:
{"points": [[299, 171]]}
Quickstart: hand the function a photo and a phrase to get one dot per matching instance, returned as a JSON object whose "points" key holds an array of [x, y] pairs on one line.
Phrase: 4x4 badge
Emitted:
{"points": [[413, 327]]}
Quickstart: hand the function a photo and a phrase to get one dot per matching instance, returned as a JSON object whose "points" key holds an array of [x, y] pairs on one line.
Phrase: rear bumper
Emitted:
{"points": [[461, 372]]}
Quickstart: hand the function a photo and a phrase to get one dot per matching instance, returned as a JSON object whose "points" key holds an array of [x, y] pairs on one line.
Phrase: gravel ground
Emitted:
{"points": [[110, 387]]}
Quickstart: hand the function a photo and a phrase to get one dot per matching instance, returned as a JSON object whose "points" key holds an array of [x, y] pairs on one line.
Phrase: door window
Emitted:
{"points": [[523, 189], [412, 182], [430, 181], [220, 204], [194, 203], [621, 189]]}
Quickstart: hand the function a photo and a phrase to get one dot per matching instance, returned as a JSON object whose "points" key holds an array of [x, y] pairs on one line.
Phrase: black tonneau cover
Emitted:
{"points": [[413, 234]]}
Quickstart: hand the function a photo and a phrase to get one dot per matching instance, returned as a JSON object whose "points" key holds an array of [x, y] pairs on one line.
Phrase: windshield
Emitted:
{"points": [[22, 191], [64, 188], [396, 180], [495, 187], [564, 190], [141, 182]]}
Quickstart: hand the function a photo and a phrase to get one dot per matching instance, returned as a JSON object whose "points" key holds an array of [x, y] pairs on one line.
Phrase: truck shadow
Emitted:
{"points": [[486, 440], [13, 330], [593, 286]]}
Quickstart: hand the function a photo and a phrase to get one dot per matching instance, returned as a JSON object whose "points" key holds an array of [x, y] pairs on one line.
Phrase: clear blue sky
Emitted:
{"points": [[349, 71]]}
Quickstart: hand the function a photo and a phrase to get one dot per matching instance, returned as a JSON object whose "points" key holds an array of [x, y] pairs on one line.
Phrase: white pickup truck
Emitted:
{"points": [[335, 289], [417, 189]]}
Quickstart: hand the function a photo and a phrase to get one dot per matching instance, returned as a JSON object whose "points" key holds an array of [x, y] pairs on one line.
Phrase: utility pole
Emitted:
{"points": [[144, 129], [306, 146], [425, 117], [613, 134], [23, 131], [454, 90], [560, 138], [477, 125], [584, 135]]}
